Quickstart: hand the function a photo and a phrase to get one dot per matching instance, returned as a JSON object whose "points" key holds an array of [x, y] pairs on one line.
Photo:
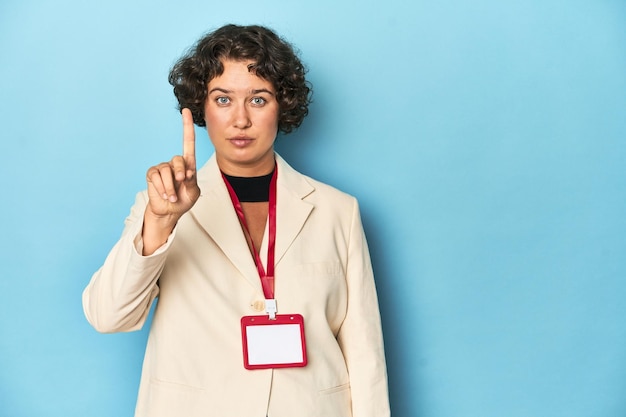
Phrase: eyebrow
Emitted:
{"points": [[225, 91]]}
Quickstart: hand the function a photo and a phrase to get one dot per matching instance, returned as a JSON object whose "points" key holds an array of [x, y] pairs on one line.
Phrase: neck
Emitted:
{"points": [[253, 169], [251, 189]]}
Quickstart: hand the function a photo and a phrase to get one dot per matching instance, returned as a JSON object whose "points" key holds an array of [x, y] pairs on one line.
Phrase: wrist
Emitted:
{"points": [[160, 221], [156, 230]]}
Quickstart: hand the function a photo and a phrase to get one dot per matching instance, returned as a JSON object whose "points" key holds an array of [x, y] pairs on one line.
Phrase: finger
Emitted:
{"points": [[189, 143], [179, 168], [167, 177], [153, 177]]}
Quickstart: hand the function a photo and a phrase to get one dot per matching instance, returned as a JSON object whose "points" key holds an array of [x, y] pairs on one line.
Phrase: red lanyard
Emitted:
{"points": [[267, 278]]}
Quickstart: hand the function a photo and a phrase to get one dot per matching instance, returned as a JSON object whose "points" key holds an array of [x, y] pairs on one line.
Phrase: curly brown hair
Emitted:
{"points": [[273, 59]]}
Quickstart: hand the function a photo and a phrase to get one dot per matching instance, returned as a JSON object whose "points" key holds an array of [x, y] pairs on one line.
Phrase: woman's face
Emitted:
{"points": [[241, 115]]}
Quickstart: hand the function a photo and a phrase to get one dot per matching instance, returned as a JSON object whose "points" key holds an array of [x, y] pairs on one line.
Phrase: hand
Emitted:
{"points": [[172, 189]]}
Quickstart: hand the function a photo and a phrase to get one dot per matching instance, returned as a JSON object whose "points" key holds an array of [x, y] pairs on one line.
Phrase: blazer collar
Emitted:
{"points": [[214, 212]]}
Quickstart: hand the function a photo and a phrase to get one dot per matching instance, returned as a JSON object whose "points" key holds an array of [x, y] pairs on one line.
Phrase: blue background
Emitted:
{"points": [[484, 139]]}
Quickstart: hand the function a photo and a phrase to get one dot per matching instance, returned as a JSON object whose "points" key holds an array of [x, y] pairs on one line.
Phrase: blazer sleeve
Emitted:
{"points": [[360, 335], [120, 293]]}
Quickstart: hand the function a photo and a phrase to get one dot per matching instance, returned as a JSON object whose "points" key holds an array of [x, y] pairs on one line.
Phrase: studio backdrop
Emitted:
{"points": [[485, 141]]}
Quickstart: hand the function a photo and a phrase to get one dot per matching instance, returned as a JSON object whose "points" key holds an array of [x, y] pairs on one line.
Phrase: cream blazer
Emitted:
{"points": [[206, 280]]}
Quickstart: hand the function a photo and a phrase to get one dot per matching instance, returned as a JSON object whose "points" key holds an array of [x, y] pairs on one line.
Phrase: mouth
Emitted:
{"points": [[240, 141]]}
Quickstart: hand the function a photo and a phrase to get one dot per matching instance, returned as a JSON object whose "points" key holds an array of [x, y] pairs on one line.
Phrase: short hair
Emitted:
{"points": [[274, 60]]}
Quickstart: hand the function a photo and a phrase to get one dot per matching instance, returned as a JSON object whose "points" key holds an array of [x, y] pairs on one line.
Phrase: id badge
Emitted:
{"points": [[277, 343]]}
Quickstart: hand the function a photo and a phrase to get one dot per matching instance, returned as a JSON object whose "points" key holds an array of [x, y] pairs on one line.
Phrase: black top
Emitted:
{"points": [[251, 189]]}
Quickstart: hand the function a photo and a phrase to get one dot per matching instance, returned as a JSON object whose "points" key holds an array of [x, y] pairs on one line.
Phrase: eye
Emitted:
{"points": [[258, 101], [221, 100]]}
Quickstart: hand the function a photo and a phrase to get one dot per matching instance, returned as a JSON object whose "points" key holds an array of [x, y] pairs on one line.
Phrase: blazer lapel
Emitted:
{"points": [[215, 214], [291, 209]]}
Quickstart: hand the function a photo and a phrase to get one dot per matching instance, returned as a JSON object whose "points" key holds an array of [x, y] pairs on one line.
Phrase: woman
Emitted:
{"points": [[245, 239]]}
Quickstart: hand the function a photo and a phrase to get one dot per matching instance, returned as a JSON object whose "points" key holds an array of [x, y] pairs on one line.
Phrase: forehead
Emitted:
{"points": [[238, 75]]}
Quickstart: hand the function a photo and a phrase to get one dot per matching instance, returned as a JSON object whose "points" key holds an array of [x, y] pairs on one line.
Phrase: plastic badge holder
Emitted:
{"points": [[277, 343]]}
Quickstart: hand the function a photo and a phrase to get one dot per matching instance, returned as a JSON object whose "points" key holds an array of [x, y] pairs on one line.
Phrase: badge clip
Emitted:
{"points": [[271, 308]]}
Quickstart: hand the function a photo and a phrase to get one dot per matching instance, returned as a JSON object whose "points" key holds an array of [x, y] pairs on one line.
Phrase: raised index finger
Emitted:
{"points": [[189, 142]]}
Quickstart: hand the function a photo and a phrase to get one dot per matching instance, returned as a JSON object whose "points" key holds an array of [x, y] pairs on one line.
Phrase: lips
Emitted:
{"points": [[240, 141]]}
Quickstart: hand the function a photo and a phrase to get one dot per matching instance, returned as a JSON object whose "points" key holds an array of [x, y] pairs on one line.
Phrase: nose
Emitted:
{"points": [[241, 116]]}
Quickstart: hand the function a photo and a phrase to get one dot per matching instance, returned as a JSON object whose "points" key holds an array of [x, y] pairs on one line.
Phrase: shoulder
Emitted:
{"points": [[310, 189], [329, 191]]}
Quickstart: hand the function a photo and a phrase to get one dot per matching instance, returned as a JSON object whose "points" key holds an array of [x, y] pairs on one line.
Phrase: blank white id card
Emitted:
{"points": [[277, 343]]}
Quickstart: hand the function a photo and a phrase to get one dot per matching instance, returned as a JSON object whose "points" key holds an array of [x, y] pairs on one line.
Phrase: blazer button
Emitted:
{"points": [[259, 305]]}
